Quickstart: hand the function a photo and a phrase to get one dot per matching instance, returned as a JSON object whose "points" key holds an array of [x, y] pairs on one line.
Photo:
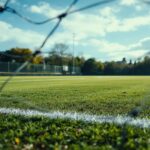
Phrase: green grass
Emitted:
{"points": [[93, 95]]}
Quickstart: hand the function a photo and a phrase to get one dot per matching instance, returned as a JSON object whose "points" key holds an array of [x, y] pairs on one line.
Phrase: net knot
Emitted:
{"points": [[63, 15], [36, 53], [2, 9]]}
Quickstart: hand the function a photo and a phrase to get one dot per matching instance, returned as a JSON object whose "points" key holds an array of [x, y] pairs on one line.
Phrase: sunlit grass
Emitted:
{"points": [[95, 95]]}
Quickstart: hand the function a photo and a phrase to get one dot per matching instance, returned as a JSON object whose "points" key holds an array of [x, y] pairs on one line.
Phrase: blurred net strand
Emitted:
{"points": [[13, 74], [60, 18], [51, 33], [68, 12], [6, 3]]}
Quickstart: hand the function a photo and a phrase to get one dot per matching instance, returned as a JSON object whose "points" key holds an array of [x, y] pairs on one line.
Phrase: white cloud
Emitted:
{"points": [[139, 8], [10, 33], [139, 5], [128, 54], [30, 38], [135, 22], [112, 50], [13, 1], [45, 9], [116, 51], [84, 25], [2, 2], [108, 11], [100, 24], [142, 44], [87, 56], [128, 2], [105, 46]]}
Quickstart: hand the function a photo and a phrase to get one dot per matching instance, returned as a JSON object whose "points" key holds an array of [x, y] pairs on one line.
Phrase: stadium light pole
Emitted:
{"points": [[73, 61]]}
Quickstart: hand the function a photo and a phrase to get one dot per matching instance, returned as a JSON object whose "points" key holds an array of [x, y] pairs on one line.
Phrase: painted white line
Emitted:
{"points": [[43, 80], [120, 120]]}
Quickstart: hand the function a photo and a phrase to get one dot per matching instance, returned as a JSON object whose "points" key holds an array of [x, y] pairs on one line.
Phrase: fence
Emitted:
{"points": [[9, 67]]}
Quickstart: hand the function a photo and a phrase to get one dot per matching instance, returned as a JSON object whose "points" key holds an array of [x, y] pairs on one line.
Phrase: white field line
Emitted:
{"points": [[119, 120], [43, 80]]}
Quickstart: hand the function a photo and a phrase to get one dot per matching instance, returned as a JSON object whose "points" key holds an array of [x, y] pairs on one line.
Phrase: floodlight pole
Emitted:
{"points": [[73, 66]]}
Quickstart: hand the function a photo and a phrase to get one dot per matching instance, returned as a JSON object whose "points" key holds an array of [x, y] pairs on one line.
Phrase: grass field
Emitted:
{"points": [[92, 95]]}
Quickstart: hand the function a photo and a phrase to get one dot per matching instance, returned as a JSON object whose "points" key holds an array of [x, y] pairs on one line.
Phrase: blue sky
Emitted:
{"points": [[108, 32]]}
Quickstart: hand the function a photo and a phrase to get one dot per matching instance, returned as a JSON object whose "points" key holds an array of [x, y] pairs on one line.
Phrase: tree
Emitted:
{"points": [[58, 54], [16, 54], [38, 59], [130, 63], [143, 67], [100, 66], [91, 67], [110, 68], [20, 55], [124, 61]]}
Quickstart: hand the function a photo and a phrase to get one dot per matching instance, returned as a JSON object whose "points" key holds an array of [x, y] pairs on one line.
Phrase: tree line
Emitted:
{"points": [[60, 56]]}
